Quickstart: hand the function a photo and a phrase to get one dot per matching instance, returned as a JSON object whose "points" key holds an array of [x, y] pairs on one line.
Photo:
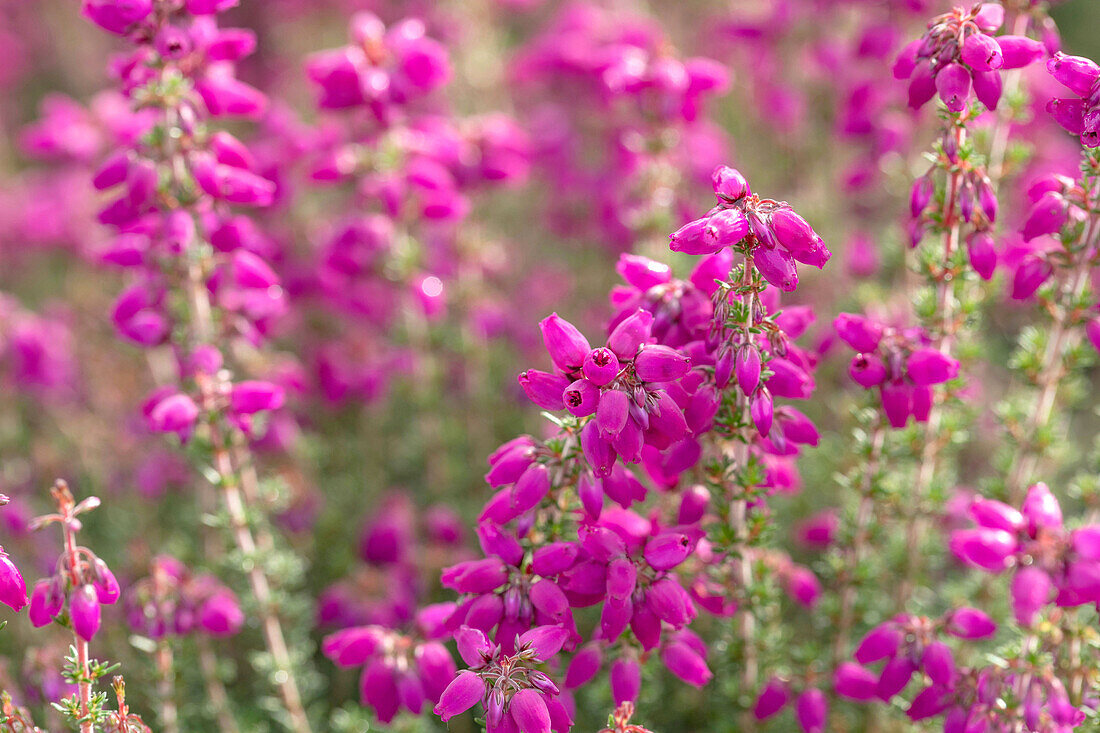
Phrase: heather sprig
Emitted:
{"points": [[72, 596], [198, 285]]}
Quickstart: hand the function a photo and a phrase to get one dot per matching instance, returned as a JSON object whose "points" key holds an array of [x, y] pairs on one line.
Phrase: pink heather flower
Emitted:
{"points": [[221, 614], [464, 691], [686, 662], [84, 612], [584, 665], [13, 589], [970, 623], [812, 710], [172, 413], [1041, 510], [567, 346], [958, 52], [854, 682], [625, 680], [1031, 592], [773, 698], [881, 642], [117, 16], [253, 396]]}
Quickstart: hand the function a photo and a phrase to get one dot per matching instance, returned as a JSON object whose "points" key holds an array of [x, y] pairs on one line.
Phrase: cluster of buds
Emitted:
{"points": [[976, 201], [811, 707], [625, 384], [382, 68], [1049, 562], [909, 644], [769, 231], [958, 53], [173, 601], [168, 410], [901, 363], [620, 119], [399, 671], [1059, 205], [516, 695], [81, 582], [1079, 115], [978, 700]]}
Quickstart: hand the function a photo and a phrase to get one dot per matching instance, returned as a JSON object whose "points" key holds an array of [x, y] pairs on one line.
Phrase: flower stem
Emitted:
{"points": [[84, 683], [210, 387], [215, 690], [1062, 336], [858, 549], [943, 340]]}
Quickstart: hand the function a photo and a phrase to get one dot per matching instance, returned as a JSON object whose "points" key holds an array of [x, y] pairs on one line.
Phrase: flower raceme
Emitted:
{"points": [[958, 55], [516, 695], [399, 671], [1050, 564], [1078, 115], [770, 231], [901, 363]]}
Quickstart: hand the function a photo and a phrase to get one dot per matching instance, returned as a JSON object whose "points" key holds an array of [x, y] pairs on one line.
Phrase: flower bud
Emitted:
{"points": [[760, 410], [778, 267], [657, 363], [601, 366], [544, 389], [773, 698], [982, 254], [84, 612], [927, 366], [982, 547], [1076, 73], [988, 87], [1031, 587], [630, 334], [1019, 51], [812, 710], [953, 86], [982, 52], [854, 682], [748, 368], [581, 398], [1030, 274], [686, 663], [729, 184], [567, 346]]}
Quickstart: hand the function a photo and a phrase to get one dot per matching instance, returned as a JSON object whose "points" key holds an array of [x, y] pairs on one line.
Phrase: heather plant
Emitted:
{"points": [[817, 453]]}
